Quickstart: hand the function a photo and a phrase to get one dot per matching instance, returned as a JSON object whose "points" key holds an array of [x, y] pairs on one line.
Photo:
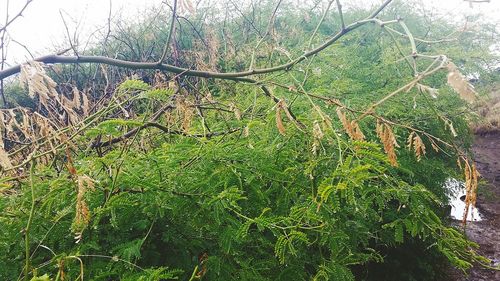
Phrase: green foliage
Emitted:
{"points": [[112, 128], [130, 85], [256, 203], [159, 94], [44, 277], [16, 95], [251, 209]]}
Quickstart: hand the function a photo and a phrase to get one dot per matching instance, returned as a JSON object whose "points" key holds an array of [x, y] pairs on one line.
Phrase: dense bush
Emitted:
{"points": [[298, 183]]}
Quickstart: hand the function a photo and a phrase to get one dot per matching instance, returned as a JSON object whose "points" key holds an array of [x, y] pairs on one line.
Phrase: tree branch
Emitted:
{"points": [[169, 37], [341, 15], [164, 129], [268, 30], [19, 14], [237, 76]]}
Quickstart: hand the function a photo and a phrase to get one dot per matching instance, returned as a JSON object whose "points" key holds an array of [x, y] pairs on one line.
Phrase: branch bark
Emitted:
{"points": [[165, 130], [236, 76], [19, 14], [169, 37]]}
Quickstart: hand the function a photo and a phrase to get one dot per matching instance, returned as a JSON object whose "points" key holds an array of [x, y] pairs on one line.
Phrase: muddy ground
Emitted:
{"points": [[487, 232]]}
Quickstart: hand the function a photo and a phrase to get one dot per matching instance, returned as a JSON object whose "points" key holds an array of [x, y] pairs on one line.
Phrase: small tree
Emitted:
{"points": [[255, 144]]}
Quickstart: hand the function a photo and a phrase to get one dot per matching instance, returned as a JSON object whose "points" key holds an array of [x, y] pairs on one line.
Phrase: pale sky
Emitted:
{"points": [[41, 27]]}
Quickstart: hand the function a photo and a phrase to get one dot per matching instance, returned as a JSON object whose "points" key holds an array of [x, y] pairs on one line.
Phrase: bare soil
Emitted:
{"points": [[487, 232]]}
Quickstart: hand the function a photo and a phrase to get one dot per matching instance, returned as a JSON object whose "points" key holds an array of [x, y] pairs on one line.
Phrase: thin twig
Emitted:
{"points": [[341, 15], [67, 33], [19, 14], [171, 31], [406, 87], [268, 30], [28, 226], [320, 22], [237, 76]]}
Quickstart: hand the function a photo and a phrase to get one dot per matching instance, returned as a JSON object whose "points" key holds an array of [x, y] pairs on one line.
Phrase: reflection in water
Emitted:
{"points": [[456, 194]]}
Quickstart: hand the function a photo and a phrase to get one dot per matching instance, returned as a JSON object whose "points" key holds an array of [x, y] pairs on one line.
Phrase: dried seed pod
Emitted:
{"points": [[418, 145], [388, 139], [460, 84], [351, 127]]}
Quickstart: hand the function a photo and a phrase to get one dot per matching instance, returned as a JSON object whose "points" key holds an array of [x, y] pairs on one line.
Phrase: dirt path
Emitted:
{"points": [[487, 232]]}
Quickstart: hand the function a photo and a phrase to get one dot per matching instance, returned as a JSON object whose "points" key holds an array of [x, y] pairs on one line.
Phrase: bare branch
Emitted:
{"points": [[22, 46], [446, 39], [165, 130], [19, 14], [172, 26], [236, 76], [341, 15], [67, 33], [269, 27], [320, 22]]}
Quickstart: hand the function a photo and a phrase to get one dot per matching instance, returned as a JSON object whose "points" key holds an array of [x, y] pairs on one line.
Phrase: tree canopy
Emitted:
{"points": [[270, 141]]}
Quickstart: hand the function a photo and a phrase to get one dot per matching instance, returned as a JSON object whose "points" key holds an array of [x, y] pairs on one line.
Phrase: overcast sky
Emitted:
{"points": [[41, 27]]}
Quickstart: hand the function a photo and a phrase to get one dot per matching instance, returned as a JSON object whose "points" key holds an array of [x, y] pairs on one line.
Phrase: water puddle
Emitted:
{"points": [[456, 194]]}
